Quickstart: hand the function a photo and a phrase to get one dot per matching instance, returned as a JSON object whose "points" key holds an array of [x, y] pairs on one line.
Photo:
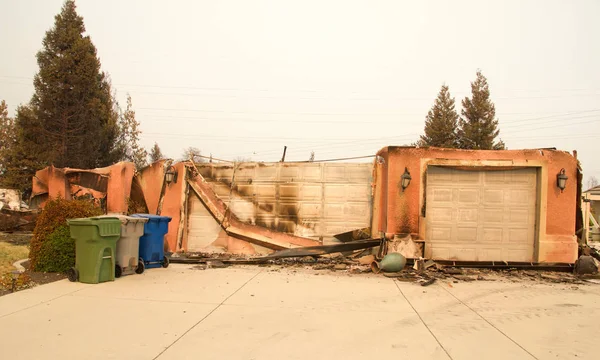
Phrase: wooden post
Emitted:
{"points": [[585, 234], [284, 150]]}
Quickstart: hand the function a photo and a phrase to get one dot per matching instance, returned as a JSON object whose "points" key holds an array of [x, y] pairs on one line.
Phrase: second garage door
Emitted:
{"points": [[481, 215]]}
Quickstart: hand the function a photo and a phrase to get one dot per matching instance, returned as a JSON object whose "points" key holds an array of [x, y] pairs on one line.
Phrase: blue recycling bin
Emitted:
{"points": [[152, 251]]}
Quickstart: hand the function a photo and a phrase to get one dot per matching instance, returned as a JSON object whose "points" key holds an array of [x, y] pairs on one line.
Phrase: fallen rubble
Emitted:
{"points": [[426, 275]]}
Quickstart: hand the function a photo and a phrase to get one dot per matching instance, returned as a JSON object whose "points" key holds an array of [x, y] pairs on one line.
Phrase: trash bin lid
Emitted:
{"points": [[123, 218], [92, 220], [106, 224], [153, 217]]}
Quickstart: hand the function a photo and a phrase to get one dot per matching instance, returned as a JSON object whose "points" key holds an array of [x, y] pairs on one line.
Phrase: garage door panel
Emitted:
{"points": [[490, 254], [494, 215], [440, 253], [468, 215], [203, 229], [468, 196], [441, 233], [467, 234], [493, 196], [442, 214], [442, 178], [494, 177], [493, 235], [519, 236], [519, 197], [468, 177], [440, 195], [463, 253], [519, 216], [481, 215], [518, 254], [521, 177]]}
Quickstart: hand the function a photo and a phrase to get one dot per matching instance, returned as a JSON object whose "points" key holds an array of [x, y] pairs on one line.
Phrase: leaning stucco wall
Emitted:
{"points": [[112, 183], [151, 181], [173, 205], [404, 209]]}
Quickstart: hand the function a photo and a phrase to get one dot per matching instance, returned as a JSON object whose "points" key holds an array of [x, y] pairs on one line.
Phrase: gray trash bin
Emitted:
{"points": [[128, 246]]}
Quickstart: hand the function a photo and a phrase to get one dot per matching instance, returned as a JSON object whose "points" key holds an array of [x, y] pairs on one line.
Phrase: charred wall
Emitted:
{"points": [[312, 200]]}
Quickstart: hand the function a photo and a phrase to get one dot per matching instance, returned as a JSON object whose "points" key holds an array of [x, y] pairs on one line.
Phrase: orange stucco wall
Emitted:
{"points": [[172, 205], [54, 182], [119, 187], [401, 211], [151, 181]]}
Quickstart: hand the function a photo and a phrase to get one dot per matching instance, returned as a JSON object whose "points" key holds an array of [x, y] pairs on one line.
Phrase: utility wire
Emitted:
{"points": [[279, 139], [596, 92], [164, 118]]}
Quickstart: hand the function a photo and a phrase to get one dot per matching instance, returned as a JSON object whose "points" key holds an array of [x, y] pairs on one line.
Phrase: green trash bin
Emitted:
{"points": [[95, 248]]}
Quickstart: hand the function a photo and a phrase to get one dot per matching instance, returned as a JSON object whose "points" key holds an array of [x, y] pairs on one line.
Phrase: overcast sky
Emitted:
{"points": [[340, 78]]}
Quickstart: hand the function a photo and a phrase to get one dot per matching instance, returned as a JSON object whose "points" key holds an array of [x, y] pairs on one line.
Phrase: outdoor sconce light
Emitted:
{"points": [[171, 175], [405, 179], [561, 180]]}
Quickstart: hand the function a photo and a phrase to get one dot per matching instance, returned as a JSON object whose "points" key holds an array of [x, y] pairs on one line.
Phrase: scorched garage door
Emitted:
{"points": [[480, 215]]}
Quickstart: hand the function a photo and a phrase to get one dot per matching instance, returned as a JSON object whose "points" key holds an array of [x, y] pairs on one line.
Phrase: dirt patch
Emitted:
{"points": [[40, 278], [16, 238], [30, 278]]}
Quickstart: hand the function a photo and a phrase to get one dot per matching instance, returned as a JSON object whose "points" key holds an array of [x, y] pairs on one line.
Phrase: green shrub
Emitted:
{"points": [[58, 252], [54, 216]]}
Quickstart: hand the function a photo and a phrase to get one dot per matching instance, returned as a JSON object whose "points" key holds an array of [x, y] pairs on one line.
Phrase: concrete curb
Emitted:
{"points": [[18, 265]]}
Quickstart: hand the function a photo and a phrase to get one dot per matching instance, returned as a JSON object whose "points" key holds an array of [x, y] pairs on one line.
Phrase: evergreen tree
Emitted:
{"points": [[21, 158], [478, 126], [155, 153], [7, 136], [130, 135], [441, 122], [71, 120]]}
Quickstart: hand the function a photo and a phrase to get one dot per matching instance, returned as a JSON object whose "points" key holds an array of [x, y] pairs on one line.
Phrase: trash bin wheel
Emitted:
{"points": [[73, 274], [118, 271], [165, 262], [141, 267]]}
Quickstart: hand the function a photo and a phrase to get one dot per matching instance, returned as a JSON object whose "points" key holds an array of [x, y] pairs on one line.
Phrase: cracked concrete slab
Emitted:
{"points": [[253, 313]]}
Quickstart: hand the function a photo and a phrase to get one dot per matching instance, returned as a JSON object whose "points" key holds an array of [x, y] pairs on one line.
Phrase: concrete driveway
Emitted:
{"points": [[258, 313]]}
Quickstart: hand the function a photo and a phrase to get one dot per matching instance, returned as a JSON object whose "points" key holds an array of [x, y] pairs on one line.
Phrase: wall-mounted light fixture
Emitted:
{"points": [[405, 179], [561, 180], [171, 175]]}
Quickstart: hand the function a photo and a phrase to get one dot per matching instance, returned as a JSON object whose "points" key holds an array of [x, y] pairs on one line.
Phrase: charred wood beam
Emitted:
{"points": [[324, 249]]}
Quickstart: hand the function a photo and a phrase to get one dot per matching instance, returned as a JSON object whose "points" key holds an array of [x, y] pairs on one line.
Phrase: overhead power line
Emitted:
{"points": [[593, 92], [164, 118], [331, 113], [278, 139]]}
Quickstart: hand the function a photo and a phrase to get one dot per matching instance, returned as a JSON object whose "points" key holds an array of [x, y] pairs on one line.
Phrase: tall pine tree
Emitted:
{"points": [[8, 139], [478, 126], [71, 120], [130, 135], [441, 122], [155, 153], [21, 158]]}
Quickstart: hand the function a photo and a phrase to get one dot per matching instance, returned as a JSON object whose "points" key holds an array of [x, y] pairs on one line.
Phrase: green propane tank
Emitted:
{"points": [[392, 262]]}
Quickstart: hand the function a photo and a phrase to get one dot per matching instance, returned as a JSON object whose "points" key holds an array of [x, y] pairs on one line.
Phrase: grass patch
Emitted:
{"points": [[10, 253]]}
